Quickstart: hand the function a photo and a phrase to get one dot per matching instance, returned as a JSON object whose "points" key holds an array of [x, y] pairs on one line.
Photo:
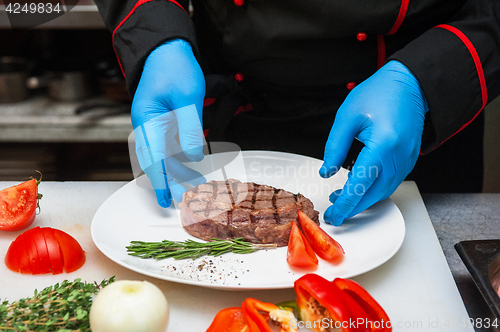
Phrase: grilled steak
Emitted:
{"points": [[231, 209]]}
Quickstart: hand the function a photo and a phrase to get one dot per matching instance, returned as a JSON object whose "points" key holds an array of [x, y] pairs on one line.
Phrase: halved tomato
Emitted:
{"points": [[36, 266], [38, 241], [13, 259], [322, 243], [18, 206], [43, 250], [300, 253], [73, 256], [56, 261], [18, 258]]}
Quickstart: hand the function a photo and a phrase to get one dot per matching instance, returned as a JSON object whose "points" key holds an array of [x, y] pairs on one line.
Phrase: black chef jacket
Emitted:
{"points": [[284, 67]]}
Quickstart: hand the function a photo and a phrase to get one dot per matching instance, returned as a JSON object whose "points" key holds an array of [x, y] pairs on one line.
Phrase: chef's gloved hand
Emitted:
{"points": [[386, 113], [169, 101]]}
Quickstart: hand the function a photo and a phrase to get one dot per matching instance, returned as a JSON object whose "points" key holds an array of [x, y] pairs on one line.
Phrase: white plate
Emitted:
{"points": [[131, 213]]}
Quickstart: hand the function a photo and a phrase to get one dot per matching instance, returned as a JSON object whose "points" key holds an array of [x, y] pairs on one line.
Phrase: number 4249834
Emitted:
{"points": [[473, 322], [32, 8]]}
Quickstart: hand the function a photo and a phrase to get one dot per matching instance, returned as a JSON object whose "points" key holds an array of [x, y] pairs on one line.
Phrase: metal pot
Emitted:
{"points": [[64, 85], [111, 80], [13, 74]]}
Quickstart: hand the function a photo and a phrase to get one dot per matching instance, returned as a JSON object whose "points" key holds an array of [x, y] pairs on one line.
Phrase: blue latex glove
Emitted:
{"points": [[386, 113], [169, 101]]}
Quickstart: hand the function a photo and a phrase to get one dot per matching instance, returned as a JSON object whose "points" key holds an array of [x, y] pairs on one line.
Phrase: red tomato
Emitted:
{"points": [[53, 249], [322, 243], [73, 256], [299, 252], [18, 206], [43, 250], [20, 255], [30, 242], [12, 258]]}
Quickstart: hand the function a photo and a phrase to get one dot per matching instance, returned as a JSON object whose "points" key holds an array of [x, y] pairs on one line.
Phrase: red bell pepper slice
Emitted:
{"points": [[322, 243], [257, 322], [300, 252], [319, 299], [379, 320], [229, 319]]}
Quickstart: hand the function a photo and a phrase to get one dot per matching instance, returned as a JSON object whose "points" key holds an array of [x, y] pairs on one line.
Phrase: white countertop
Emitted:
{"points": [[415, 287]]}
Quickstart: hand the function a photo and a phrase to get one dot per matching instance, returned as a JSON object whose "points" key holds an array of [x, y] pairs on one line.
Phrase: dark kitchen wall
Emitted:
{"points": [[492, 147], [44, 45]]}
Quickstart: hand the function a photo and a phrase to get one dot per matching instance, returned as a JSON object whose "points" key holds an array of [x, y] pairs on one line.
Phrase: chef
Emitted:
{"points": [[398, 78]]}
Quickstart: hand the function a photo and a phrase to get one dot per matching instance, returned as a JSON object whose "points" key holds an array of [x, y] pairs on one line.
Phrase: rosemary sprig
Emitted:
{"points": [[192, 249], [62, 307]]}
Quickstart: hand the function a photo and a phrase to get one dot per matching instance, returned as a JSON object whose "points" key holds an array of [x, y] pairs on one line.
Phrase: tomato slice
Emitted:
{"points": [[18, 206], [299, 252], [30, 244], [23, 252], [73, 256], [53, 250], [17, 258], [12, 258], [41, 247], [322, 243]]}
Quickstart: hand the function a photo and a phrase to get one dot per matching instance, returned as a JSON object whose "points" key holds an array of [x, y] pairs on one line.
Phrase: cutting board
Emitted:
{"points": [[415, 286]]}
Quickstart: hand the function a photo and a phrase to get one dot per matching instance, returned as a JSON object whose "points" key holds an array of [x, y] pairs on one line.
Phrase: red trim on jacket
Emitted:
{"points": [[479, 69], [401, 17], [208, 101], [475, 57], [139, 3], [242, 109]]}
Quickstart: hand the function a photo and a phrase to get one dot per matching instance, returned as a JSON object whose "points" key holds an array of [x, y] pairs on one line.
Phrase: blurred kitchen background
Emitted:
{"points": [[72, 122]]}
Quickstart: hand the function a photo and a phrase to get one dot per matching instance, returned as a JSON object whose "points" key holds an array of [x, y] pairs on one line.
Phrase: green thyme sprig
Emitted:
{"points": [[62, 307], [193, 249]]}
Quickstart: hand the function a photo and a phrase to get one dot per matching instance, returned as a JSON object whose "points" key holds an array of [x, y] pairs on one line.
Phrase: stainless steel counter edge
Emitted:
{"points": [[40, 119]]}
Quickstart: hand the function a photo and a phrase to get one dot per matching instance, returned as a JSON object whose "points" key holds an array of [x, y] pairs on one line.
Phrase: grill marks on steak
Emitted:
{"points": [[231, 209]]}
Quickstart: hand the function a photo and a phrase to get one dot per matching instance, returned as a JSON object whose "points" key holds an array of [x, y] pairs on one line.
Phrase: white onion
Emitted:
{"points": [[129, 306]]}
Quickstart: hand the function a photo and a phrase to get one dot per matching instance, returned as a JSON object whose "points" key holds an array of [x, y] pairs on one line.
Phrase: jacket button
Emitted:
{"points": [[361, 36], [239, 3], [350, 85], [239, 77]]}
